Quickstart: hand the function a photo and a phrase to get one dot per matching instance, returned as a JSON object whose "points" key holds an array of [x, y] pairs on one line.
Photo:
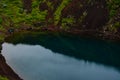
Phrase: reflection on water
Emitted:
{"points": [[62, 58]]}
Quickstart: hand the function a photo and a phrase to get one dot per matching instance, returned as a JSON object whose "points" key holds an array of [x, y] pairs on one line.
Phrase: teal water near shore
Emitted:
{"points": [[50, 57]]}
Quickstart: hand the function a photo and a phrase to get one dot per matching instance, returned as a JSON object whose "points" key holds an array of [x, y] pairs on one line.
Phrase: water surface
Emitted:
{"points": [[50, 57]]}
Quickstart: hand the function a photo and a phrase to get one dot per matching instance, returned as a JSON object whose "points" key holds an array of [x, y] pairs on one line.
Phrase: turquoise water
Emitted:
{"points": [[50, 57]]}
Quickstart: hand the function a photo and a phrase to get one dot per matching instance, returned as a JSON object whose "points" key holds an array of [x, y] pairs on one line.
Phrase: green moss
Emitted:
{"points": [[114, 27], [67, 22], [59, 9], [15, 15], [3, 78], [1, 20], [50, 5], [2, 36], [113, 5], [12, 13]]}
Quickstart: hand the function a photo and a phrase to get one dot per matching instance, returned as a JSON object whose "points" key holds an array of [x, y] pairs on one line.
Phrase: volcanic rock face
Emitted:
{"points": [[83, 15], [88, 14]]}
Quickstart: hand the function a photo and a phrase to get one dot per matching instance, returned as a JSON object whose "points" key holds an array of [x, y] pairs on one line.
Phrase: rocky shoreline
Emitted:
{"points": [[92, 33]]}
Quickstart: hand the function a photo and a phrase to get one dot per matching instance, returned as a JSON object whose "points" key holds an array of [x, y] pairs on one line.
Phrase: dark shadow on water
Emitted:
{"points": [[106, 53]]}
